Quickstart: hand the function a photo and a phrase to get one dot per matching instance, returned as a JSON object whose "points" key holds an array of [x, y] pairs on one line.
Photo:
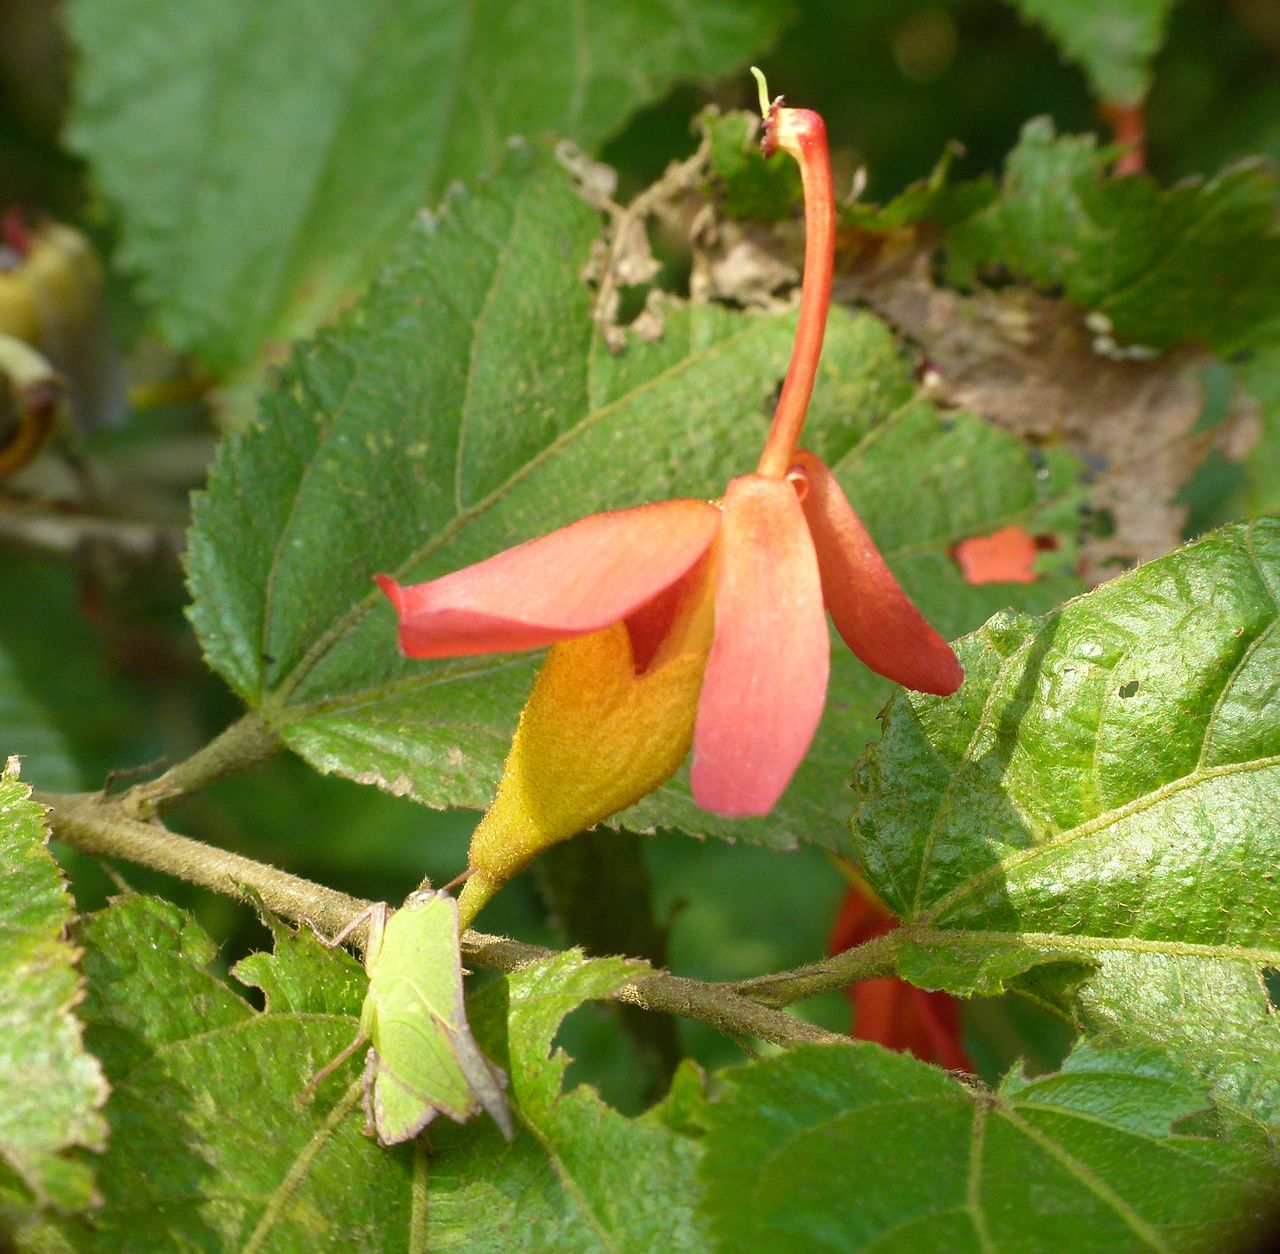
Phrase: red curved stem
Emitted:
{"points": [[803, 134]]}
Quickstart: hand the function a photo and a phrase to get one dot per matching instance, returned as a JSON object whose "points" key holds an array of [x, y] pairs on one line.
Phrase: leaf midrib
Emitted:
{"points": [[355, 379], [1100, 822], [276, 1201], [251, 1020], [1085, 1175], [286, 293], [1164, 1143], [1211, 724], [984, 1104], [1169, 255], [571, 1186], [487, 666], [1072, 942], [973, 1186], [993, 703]]}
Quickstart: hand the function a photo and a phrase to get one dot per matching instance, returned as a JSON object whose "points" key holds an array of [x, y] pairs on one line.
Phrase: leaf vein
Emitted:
{"points": [[1206, 743], [477, 342], [326, 639], [992, 704], [571, 1186], [308, 467], [280, 1196], [408, 685], [974, 1186], [1140, 1227], [1092, 826], [1072, 942], [1168, 1143]]}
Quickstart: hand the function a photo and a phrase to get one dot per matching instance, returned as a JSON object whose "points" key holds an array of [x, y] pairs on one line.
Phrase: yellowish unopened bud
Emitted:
{"points": [[18, 317], [65, 279], [54, 291]]}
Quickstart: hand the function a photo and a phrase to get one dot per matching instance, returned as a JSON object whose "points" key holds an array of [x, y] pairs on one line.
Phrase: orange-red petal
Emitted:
{"points": [[893, 1013], [888, 1010], [572, 582], [867, 604], [766, 677], [1004, 556]]}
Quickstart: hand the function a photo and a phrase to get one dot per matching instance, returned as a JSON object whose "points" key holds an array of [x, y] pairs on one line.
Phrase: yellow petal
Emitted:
{"points": [[594, 738]]}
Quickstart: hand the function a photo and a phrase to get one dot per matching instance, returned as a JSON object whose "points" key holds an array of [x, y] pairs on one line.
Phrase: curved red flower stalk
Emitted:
{"points": [[887, 1010], [1129, 122], [783, 546], [803, 134]]}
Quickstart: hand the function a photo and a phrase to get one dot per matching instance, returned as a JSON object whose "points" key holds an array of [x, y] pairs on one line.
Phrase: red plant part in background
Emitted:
{"points": [[15, 233], [1129, 122], [1004, 556], [889, 1011]]}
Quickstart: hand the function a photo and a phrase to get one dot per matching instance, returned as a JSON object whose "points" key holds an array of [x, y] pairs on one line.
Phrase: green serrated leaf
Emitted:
{"points": [[50, 1087], [1104, 794], [573, 878], [685, 1105], [1113, 41], [1083, 1159], [769, 189], [1261, 376], [465, 407], [626, 1184], [296, 977], [1200, 260], [240, 232], [211, 1148]]}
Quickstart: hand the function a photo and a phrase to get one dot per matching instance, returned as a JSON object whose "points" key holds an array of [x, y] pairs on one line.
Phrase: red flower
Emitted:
{"points": [[781, 549], [781, 545], [888, 1010]]}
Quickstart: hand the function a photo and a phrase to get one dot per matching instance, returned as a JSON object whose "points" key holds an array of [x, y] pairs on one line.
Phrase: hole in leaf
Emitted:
{"points": [[628, 1078], [1271, 979], [1129, 689], [631, 305]]}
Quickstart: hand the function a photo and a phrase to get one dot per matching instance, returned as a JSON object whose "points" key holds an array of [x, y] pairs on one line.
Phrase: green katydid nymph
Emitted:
{"points": [[422, 1060]]}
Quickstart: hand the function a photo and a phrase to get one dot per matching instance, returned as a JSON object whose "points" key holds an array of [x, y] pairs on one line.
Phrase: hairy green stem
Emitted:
{"points": [[716, 1004], [103, 826], [875, 958], [249, 740]]}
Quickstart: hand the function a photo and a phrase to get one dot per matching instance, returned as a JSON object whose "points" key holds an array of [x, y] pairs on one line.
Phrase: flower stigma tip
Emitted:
{"points": [[765, 106], [769, 111]]}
